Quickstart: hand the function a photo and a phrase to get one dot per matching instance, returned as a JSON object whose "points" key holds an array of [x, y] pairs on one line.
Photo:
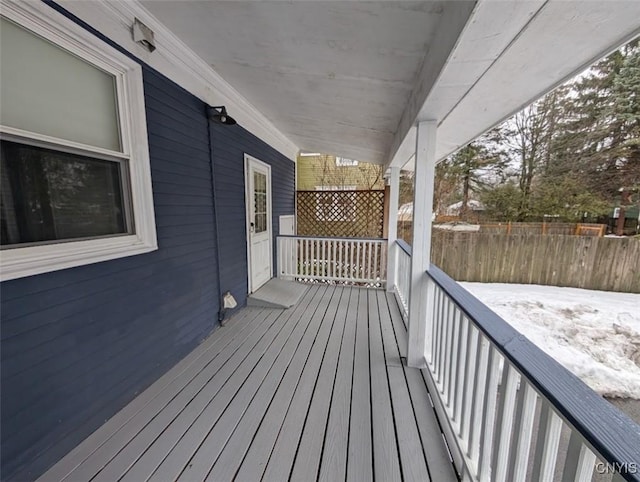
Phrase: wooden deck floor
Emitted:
{"points": [[314, 392]]}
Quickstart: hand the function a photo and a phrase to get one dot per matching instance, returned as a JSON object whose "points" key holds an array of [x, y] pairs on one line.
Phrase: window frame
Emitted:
{"points": [[18, 262]]}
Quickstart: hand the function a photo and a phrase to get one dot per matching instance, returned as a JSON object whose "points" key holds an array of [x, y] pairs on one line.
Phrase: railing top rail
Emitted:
{"points": [[612, 434], [329, 238], [404, 246]]}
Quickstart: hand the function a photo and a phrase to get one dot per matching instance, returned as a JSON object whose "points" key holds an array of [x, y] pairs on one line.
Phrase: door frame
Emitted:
{"points": [[248, 160]]}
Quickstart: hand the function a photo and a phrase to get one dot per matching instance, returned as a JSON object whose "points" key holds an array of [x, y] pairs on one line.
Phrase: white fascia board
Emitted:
{"points": [[406, 150], [488, 32], [508, 55], [456, 17], [174, 59], [560, 41]]}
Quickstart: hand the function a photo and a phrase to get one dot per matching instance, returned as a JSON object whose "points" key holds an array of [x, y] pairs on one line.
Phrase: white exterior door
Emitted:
{"points": [[258, 201]]}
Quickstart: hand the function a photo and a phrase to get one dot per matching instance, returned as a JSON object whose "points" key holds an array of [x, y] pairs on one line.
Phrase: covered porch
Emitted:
{"points": [[318, 391], [359, 383]]}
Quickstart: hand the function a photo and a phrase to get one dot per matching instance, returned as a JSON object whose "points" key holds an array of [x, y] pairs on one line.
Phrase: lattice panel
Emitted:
{"points": [[350, 214]]}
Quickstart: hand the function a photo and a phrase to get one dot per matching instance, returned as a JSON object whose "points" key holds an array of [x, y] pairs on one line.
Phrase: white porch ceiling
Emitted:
{"points": [[333, 76], [352, 77]]}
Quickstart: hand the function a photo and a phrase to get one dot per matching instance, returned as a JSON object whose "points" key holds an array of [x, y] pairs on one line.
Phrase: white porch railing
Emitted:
{"points": [[510, 412], [333, 259], [402, 252]]}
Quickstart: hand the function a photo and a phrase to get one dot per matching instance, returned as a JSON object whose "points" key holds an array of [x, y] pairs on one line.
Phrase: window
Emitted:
{"points": [[260, 202], [52, 196], [75, 182], [343, 161]]}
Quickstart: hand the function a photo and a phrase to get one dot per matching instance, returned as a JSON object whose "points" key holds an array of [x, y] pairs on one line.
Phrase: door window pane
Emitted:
{"points": [[260, 202], [48, 196], [47, 90]]}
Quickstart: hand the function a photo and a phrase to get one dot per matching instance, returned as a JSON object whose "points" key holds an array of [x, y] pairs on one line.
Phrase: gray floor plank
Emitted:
{"points": [[314, 391], [413, 463], [194, 396], [263, 379], [284, 421], [241, 361], [308, 452], [144, 404], [245, 381], [385, 445], [260, 433], [360, 458], [333, 465], [157, 411], [435, 451]]}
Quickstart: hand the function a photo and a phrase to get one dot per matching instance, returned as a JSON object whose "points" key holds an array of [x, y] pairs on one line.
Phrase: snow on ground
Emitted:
{"points": [[594, 334]]}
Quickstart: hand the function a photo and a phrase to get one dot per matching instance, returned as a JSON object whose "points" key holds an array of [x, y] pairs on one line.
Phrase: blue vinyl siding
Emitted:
{"points": [[230, 143], [79, 344]]}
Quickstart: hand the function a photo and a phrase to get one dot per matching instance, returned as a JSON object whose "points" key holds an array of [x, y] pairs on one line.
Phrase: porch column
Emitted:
{"points": [[392, 229], [422, 291]]}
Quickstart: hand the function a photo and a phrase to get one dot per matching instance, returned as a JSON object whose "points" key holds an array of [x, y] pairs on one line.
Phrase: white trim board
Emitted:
{"points": [[247, 197], [174, 59], [25, 261]]}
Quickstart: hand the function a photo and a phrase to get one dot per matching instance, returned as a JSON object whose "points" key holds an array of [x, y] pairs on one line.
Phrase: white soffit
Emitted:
{"points": [[510, 54]]}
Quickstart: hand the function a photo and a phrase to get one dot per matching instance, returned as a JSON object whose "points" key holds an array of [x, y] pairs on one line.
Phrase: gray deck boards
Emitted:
{"points": [[313, 392]]}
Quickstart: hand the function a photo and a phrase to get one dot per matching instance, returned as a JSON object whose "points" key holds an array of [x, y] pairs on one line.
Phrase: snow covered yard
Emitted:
{"points": [[594, 334]]}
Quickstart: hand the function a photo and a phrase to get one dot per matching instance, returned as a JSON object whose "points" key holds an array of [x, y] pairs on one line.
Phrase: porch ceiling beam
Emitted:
{"points": [[451, 28]]}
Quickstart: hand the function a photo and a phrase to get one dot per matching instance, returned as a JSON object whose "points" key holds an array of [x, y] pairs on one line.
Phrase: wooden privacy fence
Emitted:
{"points": [[575, 229], [343, 260], [346, 214], [610, 264]]}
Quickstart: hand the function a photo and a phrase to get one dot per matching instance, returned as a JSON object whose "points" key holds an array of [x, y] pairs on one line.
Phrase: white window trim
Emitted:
{"points": [[55, 27]]}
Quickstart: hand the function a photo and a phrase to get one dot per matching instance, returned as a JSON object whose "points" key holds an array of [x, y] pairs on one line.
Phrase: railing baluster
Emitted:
{"points": [[550, 426], [334, 264], [580, 461], [325, 265], [306, 257], [377, 272], [489, 415], [451, 316], [504, 423], [469, 378], [460, 368], [444, 371], [478, 396], [452, 353], [435, 330], [442, 339], [524, 417]]}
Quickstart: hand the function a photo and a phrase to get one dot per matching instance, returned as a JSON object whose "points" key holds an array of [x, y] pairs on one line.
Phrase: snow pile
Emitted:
{"points": [[594, 334]]}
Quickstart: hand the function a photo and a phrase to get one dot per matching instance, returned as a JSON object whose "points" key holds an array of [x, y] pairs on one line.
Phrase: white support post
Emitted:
{"points": [[422, 289], [394, 194]]}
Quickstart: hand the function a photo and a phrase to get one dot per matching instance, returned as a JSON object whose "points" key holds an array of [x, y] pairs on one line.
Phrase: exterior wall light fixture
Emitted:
{"points": [[220, 116]]}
